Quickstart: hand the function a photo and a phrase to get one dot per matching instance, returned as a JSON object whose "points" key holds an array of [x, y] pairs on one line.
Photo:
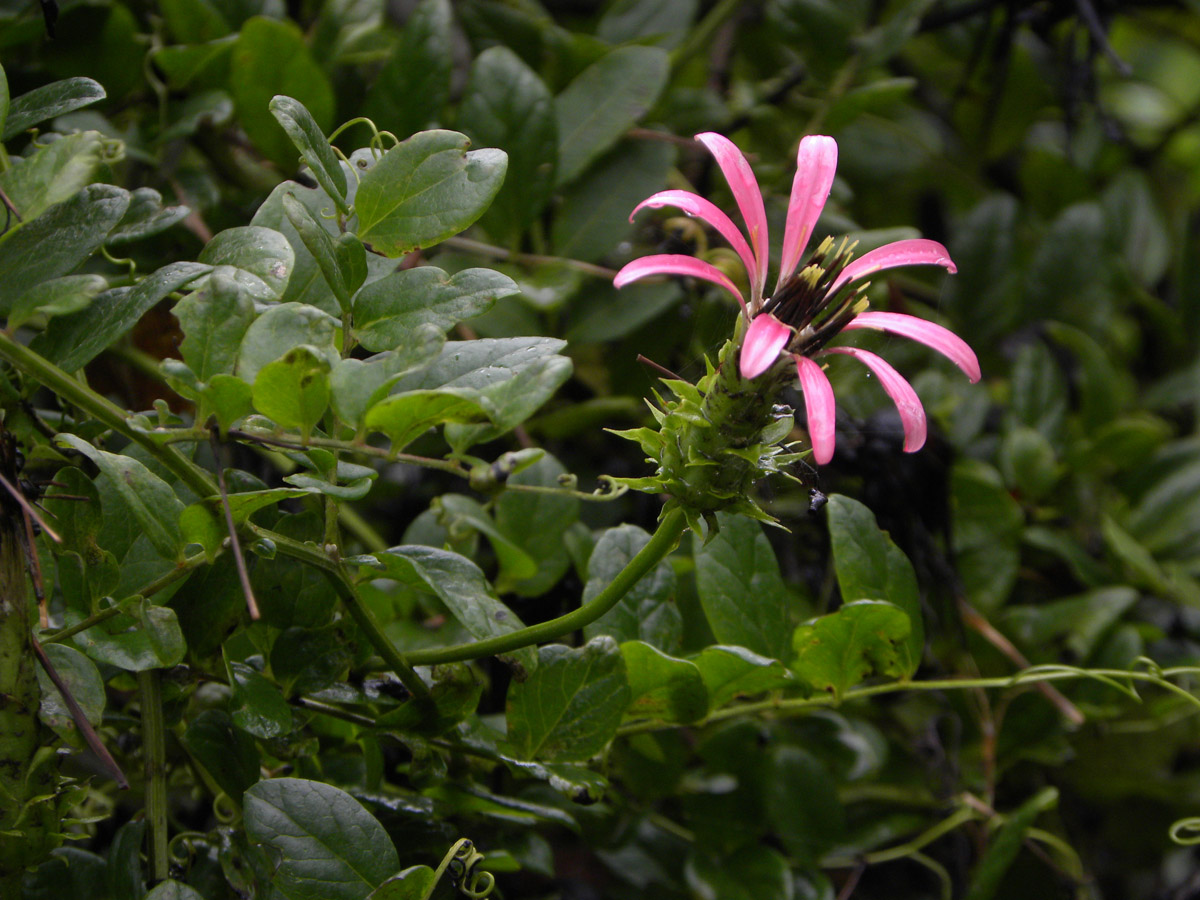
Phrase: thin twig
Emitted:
{"points": [[235, 545], [529, 259], [29, 510], [81, 722], [35, 572]]}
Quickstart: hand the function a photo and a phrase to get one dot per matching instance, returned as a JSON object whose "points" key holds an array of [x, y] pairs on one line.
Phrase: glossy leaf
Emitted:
{"points": [[425, 190], [214, 321], [730, 672], [359, 384], [57, 297], [149, 498], [83, 681], [270, 58], [261, 259], [405, 417], [871, 567], [663, 687], [329, 847], [309, 139], [52, 174], [57, 241], [257, 705], [293, 391], [609, 96], [460, 585], [280, 329], [49, 101], [740, 588], [321, 245], [569, 709], [414, 84], [386, 311], [752, 873], [837, 651], [648, 611], [507, 105]]}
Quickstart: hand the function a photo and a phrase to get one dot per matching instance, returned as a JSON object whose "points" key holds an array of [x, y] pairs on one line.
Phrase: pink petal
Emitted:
{"points": [[695, 205], [908, 404], [764, 339], [818, 404], [749, 200], [816, 163], [943, 340], [915, 252], [675, 264]]}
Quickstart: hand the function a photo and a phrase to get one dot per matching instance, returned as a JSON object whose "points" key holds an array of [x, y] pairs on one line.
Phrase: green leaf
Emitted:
{"points": [[405, 417], [425, 190], [262, 259], [47, 102], [1004, 847], [309, 139], [538, 523], [1077, 622], [328, 846], [280, 329], [4, 99], [740, 588], [837, 651], [802, 803], [197, 65], [414, 84], [607, 314], [987, 529], [460, 585], [593, 217], [358, 384], [752, 873], [648, 611], [730, 672], [601, 104], [569, 708], [58, 240], [257, 706], [307, 660], [150, 499], [455, 692], [318, 241], [506, 105], [663, 687], [173, 890], [414, 883], [293, 391], [57, 297], [194, 21], [270, 58], [146, 637], [53, 174], [387, 310], [871, 567], [647, 21], [214, 321], [145, 216], [458, 510], [84, 683], [75, 340]]}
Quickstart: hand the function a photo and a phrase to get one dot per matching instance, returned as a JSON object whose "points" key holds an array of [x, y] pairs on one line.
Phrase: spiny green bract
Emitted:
{"points": [[714, 440]]}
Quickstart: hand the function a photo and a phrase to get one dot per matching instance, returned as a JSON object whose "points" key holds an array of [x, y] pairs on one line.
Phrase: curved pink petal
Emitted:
{"points": [[818, 404], [816, 163], [908, 404], [749, 200], [932, 335], [676, 264], [915, 252], [764, 339], [695, 205]]}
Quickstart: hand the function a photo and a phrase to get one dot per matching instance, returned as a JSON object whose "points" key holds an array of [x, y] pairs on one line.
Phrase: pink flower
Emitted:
{"points": [[811, 306]]}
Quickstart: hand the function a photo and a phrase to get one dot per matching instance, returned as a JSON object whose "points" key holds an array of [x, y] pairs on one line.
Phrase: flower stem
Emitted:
{"points": [[154, 750], [663, 541]]}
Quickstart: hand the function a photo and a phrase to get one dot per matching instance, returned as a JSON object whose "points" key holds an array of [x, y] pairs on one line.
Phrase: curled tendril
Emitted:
{"points": [[1185, 832], [224, 809], [1151, 667], [118, 261], [608, 490], [182, 849], [462, 860], [112, 151]]}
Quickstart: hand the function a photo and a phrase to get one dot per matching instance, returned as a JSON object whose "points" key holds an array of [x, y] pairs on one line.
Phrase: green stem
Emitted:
{"points": [[664, 540], [147, 590], [51, 376], [334, 571], [154, 749], [529, 259]]}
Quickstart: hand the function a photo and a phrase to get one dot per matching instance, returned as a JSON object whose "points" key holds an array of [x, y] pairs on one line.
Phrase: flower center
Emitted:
{"points": [[808, 303]]}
